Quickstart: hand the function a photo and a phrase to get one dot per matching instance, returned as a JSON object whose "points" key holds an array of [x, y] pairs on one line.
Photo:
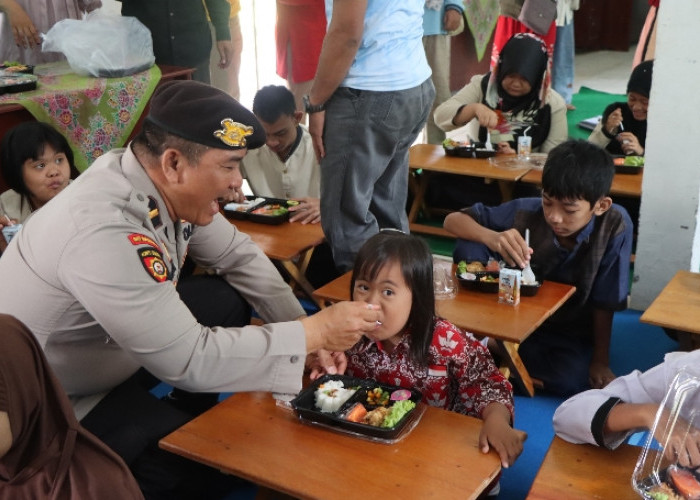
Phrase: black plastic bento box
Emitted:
{"points": [[262, 210], [487, 281], [305, 406], [17, 83]]}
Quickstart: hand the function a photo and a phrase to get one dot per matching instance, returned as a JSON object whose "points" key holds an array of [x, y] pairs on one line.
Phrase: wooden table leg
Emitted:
{"points": [[299, 279], [506, 188], [420, 184], [509, 350]]}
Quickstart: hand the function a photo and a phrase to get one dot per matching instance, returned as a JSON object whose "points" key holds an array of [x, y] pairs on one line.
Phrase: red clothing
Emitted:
{"points": [[460, 375], [301, 24]]}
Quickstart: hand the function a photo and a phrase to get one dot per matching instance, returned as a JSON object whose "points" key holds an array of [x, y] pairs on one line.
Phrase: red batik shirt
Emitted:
{"points": [[460, 375]]}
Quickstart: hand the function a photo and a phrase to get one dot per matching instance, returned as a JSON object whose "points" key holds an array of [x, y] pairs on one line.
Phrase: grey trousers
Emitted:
{"points": [[364, 175]]}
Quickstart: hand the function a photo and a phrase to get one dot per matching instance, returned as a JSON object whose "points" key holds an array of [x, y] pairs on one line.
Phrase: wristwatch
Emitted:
{"points": [[309, 108]]}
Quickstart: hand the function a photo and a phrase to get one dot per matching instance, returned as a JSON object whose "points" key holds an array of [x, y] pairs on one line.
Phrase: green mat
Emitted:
{"points": [[589, 103]]}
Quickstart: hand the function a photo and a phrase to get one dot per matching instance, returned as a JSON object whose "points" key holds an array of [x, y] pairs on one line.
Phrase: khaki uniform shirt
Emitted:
{"points": [[93, 277]]}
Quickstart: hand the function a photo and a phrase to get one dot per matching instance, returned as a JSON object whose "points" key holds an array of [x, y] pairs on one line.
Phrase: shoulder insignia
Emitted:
{"points": [[153, 212], [154, 264], [142, 239], [233, 134]]}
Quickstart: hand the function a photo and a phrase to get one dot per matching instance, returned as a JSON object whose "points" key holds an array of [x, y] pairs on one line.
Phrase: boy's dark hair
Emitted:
{"points": [[25, 142], [416, 262], [273, 101], [578, 170]]}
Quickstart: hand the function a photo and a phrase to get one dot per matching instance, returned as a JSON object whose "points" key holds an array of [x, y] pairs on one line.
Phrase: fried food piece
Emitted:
{"points": [[475, 267], [376, 416]]}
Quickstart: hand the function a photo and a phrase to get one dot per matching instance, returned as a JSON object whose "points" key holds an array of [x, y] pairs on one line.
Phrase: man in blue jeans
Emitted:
{"points": [[371, 97]]}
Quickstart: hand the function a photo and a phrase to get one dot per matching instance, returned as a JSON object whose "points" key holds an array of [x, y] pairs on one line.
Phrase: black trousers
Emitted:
{"points": [[131, 420]]}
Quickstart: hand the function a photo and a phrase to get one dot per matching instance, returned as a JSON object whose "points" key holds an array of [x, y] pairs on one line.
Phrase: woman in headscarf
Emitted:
{"points": [[513, 99], [622, 129], [44, 452]]}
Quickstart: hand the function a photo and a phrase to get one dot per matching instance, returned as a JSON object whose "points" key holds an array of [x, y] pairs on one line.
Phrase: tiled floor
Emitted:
{"points": [[604, 70]]}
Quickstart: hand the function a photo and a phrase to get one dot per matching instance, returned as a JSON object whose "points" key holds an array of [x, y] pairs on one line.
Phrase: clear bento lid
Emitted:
{"points": [[668, 467]]}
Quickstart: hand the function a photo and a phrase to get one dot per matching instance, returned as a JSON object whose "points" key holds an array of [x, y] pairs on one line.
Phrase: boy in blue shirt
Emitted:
{"points": [[577, 236]]}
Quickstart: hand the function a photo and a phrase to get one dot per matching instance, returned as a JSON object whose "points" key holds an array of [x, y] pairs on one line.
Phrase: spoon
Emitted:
{"points": [[528, 275]]}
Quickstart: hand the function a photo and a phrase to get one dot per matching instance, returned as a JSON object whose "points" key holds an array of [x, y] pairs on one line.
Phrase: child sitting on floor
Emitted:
{"points": [[414, 348], [578, 237]]}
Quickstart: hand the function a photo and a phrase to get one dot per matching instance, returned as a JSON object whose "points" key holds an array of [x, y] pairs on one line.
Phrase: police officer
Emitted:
{"points": [[92, 276]]}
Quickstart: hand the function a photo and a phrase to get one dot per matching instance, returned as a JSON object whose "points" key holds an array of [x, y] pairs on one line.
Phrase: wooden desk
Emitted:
{"points": [[289, 243], [481, 314], [431, 158], [584, 472], [677, 308], [249, 436], [629, 185]]}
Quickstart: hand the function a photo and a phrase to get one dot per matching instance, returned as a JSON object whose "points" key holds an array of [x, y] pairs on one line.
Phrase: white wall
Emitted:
{"points": [[668, 231]]}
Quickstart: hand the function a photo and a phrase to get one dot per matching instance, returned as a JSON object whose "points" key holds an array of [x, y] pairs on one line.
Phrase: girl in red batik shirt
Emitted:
{"points": [[414, 348]]}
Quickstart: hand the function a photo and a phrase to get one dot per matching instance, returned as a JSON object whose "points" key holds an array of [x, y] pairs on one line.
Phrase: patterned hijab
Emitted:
{"points": [[52, 456]]}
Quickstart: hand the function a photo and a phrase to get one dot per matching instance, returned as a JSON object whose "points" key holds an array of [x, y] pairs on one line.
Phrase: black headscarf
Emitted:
{"points": [[524, 54]]}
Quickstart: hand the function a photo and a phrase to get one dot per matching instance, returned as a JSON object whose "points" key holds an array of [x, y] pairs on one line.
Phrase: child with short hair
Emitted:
{"points": [[577, 236], [37, 164], [414, 348]]}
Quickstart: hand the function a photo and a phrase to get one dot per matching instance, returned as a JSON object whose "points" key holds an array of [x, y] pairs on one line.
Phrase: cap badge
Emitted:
{"points": [[233, 134]]}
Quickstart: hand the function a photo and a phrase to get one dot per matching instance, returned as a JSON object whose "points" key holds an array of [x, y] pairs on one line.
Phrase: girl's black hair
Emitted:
{"points": [[25, 142], [416, 262]]}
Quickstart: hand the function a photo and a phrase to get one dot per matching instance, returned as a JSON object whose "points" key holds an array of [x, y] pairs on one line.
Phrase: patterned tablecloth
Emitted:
{"points": [[94, 114]]}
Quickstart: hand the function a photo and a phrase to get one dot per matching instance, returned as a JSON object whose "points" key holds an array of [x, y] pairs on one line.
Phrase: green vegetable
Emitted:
{"points": [[659, 495], [397, 412], [634, 161], [462, 267]]}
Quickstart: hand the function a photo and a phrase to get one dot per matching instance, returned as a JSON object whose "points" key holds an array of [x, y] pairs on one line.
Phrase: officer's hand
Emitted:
{"points": [[340, 326]]}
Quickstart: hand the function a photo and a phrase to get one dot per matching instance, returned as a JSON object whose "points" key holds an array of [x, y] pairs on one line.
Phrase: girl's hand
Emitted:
{"points": [[630, 143], [612, 123], [512, 247], [496, 433], [6, 221]]}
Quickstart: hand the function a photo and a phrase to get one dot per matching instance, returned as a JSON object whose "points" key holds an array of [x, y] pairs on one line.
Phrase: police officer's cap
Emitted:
{"points": [[203, 114]]}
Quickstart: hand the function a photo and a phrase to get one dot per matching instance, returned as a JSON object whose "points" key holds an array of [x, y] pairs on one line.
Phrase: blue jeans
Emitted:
{"points": [[563, 62], [364, 175]]}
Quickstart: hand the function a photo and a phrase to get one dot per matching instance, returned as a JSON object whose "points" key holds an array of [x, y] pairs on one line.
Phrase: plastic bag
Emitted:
{"points": [[102, 45]]}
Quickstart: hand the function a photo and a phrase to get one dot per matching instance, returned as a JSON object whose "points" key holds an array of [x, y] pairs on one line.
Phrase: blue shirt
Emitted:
{"points": [[432, 18], [391, 55], [598, 266]]}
